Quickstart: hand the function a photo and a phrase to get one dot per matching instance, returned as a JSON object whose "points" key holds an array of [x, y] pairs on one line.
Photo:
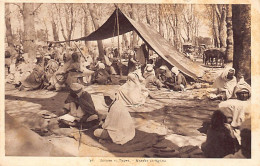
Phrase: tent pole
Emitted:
{"points": [[118, 43]]}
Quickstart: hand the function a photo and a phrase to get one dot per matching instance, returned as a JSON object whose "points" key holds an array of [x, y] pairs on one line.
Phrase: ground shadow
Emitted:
{"points": [[53, 104], [185, 120], [140, 146]]}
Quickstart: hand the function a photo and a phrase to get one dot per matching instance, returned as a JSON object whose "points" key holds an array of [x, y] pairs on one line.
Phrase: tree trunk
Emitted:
{"points": [[161, 18], [46, 30], [69, 21], [95, 21], [29, 30], [222, 28], [147, 15], [87, 29], [177, 39], [241, 20], [215, 28], [54, 30], [229, 50], [133, 15], [125, 41], [9, 35]]}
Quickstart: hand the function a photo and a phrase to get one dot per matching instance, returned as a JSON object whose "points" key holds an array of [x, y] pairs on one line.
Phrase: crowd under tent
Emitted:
{"points": [[151, 37]]}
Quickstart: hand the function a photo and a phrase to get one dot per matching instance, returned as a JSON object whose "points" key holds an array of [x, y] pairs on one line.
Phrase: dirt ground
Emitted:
{"points": [[182, 117]]}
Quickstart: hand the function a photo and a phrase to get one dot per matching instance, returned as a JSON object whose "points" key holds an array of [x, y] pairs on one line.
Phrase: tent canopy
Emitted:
{"points": [[158, 43]]}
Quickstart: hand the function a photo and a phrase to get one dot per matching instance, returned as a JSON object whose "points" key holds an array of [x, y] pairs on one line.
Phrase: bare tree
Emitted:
{"points": [[190, 24], [147, 15], [87, 23], [162, 21], [46, 29], [217, 15], [9, 34], [125, 41], [69, 11], [229, 50], [29, 29], [95, 19], [54, 22], [221, 13], [134, 16]]}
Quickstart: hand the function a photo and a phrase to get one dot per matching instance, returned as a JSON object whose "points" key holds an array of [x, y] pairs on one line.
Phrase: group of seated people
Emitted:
{"points": [[116, 124], [229, 134], [58, 67], [224, 137], [55, 69]]}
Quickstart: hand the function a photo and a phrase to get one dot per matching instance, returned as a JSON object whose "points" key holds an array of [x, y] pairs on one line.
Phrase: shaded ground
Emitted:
{"points": [[181, 117], [177, 115]]}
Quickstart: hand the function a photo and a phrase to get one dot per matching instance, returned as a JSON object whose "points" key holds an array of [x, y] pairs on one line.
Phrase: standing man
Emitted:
{"points": [[132, 60]]}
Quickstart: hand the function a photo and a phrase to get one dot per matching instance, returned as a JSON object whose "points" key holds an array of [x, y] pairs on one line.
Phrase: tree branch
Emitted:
{"points": [[37, 8], [62, 28], [20, 8], [218, 12]]}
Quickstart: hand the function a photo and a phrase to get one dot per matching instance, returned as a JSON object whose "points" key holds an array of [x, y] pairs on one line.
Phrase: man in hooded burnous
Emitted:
{"points": [[79, 103]]}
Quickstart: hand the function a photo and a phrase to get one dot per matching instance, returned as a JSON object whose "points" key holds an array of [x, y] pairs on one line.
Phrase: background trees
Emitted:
{"points": [[9, 35], [28, 13], [211, 24]]}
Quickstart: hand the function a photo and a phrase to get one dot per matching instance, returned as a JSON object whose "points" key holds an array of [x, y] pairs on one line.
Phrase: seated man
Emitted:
{"points": [[245, 134], [225, 84], [33, 76], [85, 65], [34, 80], [118, 125], [66, 74], [177, 82], [151, 81], [108, 63], [163, 73], [221, 140], [79, 103], [242, 90], [237, 110], [101, 76]]}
